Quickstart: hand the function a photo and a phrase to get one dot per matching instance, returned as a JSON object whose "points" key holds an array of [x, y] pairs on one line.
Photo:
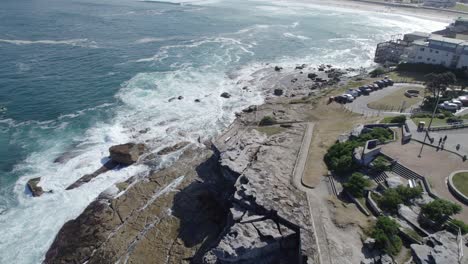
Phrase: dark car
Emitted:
{"points": [[381, 84], [341, 99], [365, 90]]}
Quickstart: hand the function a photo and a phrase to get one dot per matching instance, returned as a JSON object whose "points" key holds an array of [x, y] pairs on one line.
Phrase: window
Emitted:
{"points": [[428, 59], [437, 52], [422, 49]]}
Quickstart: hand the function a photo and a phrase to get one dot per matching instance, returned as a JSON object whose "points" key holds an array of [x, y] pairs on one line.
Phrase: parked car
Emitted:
{"points": [[381, 84], [353, 93], [388, 80], [457, 102], [448, 106], [464, 100], [350, 97], [341, 99]]}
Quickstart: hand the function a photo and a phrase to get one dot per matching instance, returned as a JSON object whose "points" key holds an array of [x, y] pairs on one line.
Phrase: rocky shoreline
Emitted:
{"points": [[229, 201]]}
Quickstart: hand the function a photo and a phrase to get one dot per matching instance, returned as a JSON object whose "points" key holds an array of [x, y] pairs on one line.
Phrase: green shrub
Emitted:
{"points": [[440, 209], [339, 157], [380, 164], [357, 184], [380, 133], [398, 119], [422, 115], [385, 233], [407, 193], [454, 119], [460, 224], [267, 121], [377, 72], [446, 113], [391, 198]]}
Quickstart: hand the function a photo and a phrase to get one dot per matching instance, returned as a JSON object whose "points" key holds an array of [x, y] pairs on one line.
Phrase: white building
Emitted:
{"points": [[439, 50]]}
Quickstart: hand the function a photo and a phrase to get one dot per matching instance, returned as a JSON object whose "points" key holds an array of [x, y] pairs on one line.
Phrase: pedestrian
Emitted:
{"points": [[458, 147], [440, 140], [445, 138]]}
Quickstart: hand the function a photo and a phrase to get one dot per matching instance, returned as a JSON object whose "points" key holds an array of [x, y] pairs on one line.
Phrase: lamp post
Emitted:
{"points": [[430, 123]]}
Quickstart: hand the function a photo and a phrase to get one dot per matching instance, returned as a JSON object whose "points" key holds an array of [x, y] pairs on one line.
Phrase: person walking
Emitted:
{"points": [[445, 138], [440, 141]]}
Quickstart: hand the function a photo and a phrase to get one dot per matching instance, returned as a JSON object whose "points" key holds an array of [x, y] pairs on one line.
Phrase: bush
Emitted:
{"points": [[407, 193], [339, 157], [267, 121], [385, 233], [380, 133], [380, 164], [460, 224], [398, 119], [439, 210], [454, 119], [357, 184], [390, 201], [446, 114], [422, 115], [377, 72], [391, 198]]}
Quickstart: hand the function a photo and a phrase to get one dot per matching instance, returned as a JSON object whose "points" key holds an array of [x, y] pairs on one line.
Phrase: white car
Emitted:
{"points": [[457, 102], [349, 97], [448, 106]]}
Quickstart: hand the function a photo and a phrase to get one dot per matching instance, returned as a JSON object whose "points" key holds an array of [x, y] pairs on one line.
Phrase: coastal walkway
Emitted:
{"points": [[320, 234]]}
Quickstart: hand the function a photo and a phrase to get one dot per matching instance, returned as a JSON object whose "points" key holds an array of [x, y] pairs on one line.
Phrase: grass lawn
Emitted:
{"points": [[435, 122], [394, 101], [460, 7], [460, 180], [270, 130]]}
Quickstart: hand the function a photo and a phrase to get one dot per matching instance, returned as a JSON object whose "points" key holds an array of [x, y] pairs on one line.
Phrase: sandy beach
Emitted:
{"points": [[434, 15]]}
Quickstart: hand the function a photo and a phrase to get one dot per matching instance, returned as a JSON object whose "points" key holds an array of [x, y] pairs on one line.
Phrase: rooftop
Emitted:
{"points": [[440, 38]]}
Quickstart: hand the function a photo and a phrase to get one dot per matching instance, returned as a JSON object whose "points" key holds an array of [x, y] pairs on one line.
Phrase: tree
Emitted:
{"points": [[398, 119], [460, 224], [407, 193], [390, 200], [437, 83], [380, 164], [339, 157], [386, 237], [357, 184], [439, 209]]}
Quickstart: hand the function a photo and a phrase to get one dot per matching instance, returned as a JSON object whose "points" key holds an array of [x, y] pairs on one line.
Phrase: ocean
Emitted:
{"points": [[80, 76]]}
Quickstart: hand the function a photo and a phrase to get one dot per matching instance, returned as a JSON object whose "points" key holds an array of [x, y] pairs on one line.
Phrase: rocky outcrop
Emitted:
{"points": [[174, 148], [33, 186], [88, 177], [269, 220], [164, 218], [440, 248], [126, 154]]}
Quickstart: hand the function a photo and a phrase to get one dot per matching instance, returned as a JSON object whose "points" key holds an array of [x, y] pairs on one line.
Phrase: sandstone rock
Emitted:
{"points": [[174, 148], [250, 109], [126, 154], [197, 100], [312, 75], [278, 68], [180, 97], [440, 248], [88, 177], [369, 243], [226, 95], [33, 186]]}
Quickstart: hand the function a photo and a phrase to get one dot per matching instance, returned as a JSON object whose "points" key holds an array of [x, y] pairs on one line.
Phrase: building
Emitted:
{"points": [[440, 3], [438, 50]]}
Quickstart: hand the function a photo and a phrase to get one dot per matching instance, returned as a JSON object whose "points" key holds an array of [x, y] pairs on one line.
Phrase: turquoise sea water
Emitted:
{"points": [[79, 76]]}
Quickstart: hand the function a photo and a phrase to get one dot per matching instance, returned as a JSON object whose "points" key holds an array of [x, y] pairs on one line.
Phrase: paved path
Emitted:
{"points": [[360, 104], [454, 137], [301, 160]]}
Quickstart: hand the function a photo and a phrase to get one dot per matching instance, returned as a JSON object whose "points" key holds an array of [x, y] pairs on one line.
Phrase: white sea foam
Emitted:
{"points": [[72, 42], [291, 35]]}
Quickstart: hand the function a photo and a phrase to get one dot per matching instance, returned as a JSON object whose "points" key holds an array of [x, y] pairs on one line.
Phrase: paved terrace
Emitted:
{"points": [[436, 166]]}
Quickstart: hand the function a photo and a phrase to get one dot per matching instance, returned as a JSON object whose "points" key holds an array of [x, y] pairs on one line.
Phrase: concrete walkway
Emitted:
{"points": [[360, 103], [454, 137]]}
